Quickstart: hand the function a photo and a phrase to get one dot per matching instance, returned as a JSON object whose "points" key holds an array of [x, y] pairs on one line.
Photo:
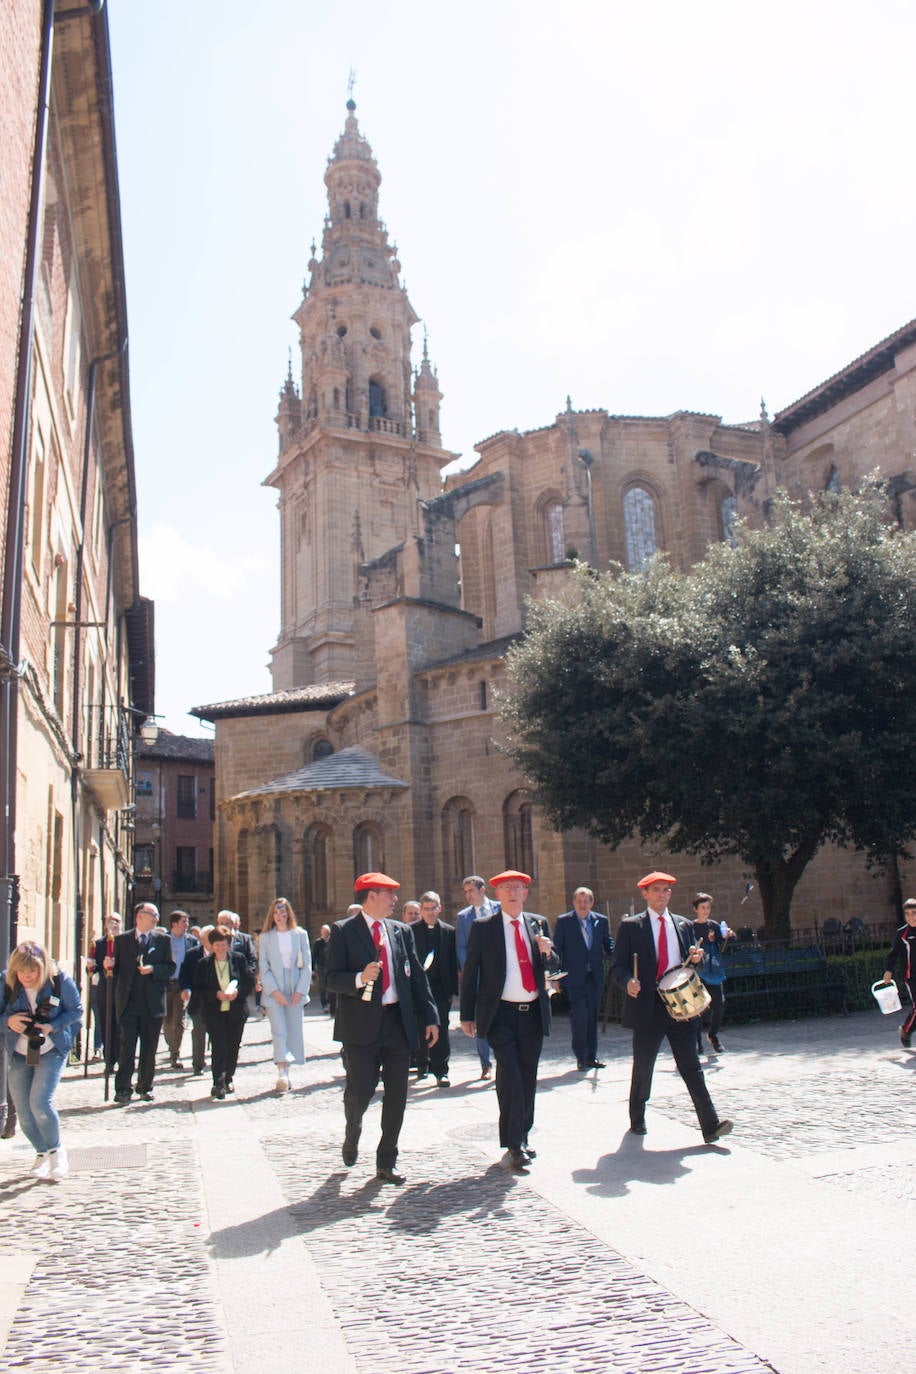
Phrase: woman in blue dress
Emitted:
{"points": [[285, 959]]}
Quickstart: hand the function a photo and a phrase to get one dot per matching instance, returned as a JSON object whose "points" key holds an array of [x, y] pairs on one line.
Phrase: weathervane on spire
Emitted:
{"points": [[351, 82]]}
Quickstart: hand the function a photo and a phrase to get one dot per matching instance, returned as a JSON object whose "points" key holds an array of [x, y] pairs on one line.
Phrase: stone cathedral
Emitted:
{"points": [[379, 745]]}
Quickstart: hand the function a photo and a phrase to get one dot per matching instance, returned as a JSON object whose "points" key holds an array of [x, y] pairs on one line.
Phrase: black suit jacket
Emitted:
{"points": [[484, 975], [635, 937], [350, 949], [206, 984], [151, 987], [581, 964], [438, 940]]}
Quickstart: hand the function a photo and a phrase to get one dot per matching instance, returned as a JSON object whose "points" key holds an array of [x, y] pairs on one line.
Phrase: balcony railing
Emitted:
{"points": [[192, 882], [107, 755]]}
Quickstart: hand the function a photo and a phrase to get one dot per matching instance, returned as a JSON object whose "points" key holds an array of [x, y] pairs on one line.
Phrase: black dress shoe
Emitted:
{"points": [[716, 1043], [218, 1090], [387, 1175], [905, 1040], [443, 1082], [532, 1154], [349, 1154], [597, 1064], [637, 1128], [582, 1066], [518, 1160], [422, 1073], [146, 1097], [721, 1128], [121, 1099]]}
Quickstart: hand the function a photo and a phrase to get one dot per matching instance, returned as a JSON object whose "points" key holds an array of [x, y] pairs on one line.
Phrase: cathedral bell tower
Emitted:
{"points": [[359, 443]]}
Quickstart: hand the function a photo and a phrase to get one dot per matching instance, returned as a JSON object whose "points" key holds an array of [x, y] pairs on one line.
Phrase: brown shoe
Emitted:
{"points": [[484, 1072]]}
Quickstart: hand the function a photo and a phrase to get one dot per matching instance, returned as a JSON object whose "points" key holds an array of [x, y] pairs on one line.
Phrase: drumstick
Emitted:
{"points": [[635, 968]]}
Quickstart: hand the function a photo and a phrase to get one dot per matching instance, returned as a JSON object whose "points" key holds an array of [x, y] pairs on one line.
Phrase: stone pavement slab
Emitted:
{"points": [[613, 1253]]}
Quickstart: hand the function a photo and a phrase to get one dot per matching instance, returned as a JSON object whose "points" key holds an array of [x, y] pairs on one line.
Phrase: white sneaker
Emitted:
{"points": [[42, 1166], [60, 1164], [282, 1082]]}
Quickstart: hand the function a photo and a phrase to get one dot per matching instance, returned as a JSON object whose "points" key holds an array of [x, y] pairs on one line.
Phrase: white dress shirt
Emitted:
{"points": [[514, 989]]}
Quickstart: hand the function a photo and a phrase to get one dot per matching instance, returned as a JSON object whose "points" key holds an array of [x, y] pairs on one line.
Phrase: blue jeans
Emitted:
{"points": [[32, 1090]]}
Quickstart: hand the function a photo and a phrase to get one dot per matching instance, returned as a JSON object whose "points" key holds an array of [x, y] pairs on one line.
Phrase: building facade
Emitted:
{"points": [[76, 649], [173, 839], [380, 744]]}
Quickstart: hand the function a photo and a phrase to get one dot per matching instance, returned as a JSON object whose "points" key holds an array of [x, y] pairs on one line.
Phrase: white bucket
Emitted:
{"points": [[887, 996]]}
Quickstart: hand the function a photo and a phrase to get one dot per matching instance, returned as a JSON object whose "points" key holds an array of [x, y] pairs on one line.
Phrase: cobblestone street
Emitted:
{"points": [[213, 1236]]}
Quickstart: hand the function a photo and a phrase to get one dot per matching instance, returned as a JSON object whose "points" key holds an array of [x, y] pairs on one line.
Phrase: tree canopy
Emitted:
{"points": [[756, 707]]}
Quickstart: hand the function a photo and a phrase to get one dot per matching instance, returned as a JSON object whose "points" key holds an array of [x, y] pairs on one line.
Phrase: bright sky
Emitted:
{"points": [[649, 207]]}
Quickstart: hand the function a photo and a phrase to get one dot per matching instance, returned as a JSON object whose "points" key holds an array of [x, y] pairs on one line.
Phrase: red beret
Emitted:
{"points": [[511, 875], [367, 882], [656, 877]]}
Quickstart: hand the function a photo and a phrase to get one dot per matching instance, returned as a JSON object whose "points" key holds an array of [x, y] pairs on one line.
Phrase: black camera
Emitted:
{"points": [[41, 1016]]}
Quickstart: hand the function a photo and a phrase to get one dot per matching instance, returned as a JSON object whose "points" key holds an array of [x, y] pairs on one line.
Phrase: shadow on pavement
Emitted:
{"points": [[633, 1163]]}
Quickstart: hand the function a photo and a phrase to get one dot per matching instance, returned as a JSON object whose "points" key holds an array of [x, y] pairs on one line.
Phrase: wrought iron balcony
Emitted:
{"points": [[107, 755]]}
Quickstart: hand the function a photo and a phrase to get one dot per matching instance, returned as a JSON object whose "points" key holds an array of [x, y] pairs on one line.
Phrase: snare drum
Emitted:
{"points": [[683, 994]]}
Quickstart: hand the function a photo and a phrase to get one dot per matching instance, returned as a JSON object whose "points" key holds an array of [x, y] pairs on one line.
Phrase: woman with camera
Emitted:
{"points": [[40, 1013]]}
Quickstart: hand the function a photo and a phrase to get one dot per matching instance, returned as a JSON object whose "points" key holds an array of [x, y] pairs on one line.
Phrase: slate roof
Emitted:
{"points": [[350, 770], [311, 698], [181, 747]]}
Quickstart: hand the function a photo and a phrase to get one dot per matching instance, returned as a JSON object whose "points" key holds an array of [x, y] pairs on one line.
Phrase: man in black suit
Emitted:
{"points": [[660, 942], [435, 944], [142, 967], [504, 999], [382, 999], [103, 991], [581, 938]]}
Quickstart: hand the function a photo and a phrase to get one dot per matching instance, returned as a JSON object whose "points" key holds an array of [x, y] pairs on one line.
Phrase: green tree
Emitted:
{"points": [[757, 707]]}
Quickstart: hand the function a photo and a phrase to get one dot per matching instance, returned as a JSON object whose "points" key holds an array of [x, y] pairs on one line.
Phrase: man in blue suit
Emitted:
{"points": [[581, 938]]}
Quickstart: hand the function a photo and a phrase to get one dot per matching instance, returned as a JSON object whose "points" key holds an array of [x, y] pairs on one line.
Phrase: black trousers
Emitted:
{"points": [[106, 1025], [910, 1022], [225, 1031], [682, 1037], [516, 1037], [437, 1057], [583, 1021], [712, 1016], [137, 1024], [387, 1058]]}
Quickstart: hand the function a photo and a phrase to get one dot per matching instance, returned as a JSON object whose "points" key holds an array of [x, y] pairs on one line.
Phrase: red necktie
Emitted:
{"points": [[524, 962], [382, 952], [662, 950]]}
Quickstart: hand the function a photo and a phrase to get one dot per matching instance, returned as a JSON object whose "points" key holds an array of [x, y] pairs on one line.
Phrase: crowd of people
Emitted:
{"points": [[390, 986]]}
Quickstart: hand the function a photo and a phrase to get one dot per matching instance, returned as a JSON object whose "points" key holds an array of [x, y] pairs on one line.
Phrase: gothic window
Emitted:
{"points": [[728, 514], [241, 874], [457, 838], [518, 832], [378, 405], [368, 850], [640, 527], [318, 868], [553, 530], [346, 209]]}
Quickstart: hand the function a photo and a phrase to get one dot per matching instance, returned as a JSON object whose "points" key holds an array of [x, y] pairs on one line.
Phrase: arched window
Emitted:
{"points": [[322, 749], [241, 875], [317, 852], [378, 405], [368, 849], [833, 480], [553, 532], [457, 839], [728, 514], [640, 527], [518, 832]]}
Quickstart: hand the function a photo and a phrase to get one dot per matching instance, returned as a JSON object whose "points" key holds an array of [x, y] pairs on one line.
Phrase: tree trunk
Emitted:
{"points": [[777, 879]]}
